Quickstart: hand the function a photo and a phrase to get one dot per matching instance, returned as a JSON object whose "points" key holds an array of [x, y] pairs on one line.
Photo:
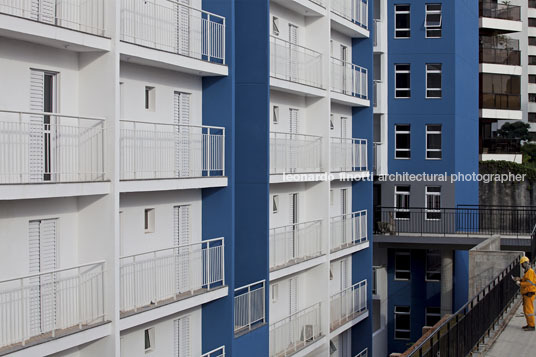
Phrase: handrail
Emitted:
{"points": [[100, 262], [297, 224], [293, 134], [172, 124], [250, 285], [173, 247], [297, 313], [192, 8], [348, 63], [295, 45], [52, 114]]}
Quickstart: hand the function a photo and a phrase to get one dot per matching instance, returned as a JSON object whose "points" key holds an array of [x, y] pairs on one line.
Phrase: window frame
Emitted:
{"points": [[275, 203], [149, 335], [402, 271], [404, 212], [402, 12], [275, 26], [275, 114], [399, 312], [150, 98], [436, 212], [403, 71], [438, 28], [149, 218], [402, 132], [433, 71], [429, 272], [433, 132], [274, 293]]}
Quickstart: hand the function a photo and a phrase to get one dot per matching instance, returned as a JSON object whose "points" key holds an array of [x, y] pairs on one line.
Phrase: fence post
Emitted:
{"points": [[208, 266], [79, 299], [135, 290], [249, 307], [22, 320]]}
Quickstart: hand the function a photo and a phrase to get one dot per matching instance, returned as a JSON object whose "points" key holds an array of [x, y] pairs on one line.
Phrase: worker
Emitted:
{"points": [[527, 286]]}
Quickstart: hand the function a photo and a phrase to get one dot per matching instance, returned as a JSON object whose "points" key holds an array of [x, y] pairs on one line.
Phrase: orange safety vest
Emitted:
{"points": [[528, 282]]}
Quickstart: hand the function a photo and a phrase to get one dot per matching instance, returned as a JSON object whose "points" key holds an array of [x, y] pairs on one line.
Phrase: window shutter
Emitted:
{"points": [[182, 142], [182, 237], [293, 296], [182, 337], [183, 28], [36, 126]]}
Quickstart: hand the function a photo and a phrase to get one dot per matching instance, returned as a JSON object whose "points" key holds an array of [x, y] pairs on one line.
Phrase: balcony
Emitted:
{"points": [[363, 353], [349, 83], [500, 50], [174, 28], [295, 243], [300, 66], [249, 307], [503, 149], [348, 230], [498, 17], [295, 153], [348, 304], [217, 352], [351, 17], [39, 307], [348, 155], [501, 101], [153, 279], [308, 8], [296, 332]]}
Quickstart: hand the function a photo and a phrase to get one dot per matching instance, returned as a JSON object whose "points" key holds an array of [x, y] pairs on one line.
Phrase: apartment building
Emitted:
{"points": [[146, 207]]}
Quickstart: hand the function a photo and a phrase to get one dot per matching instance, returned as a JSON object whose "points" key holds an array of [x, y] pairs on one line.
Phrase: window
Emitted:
{"points": [[402, 266], [433, 315], [532, 117], [275, 203], [532, 97], [402, 81], [402, 202], [532, 4], [433, 81], [331, 125], [532, 60], [149, 339], [402, 141], [433, 19], [331, 193], [433, 265], [402, 323], [149, 220], [149, 98], [532, 78], [532, 41], [275, 114], [402, 21], [275, 292], [275, 26], [532, 22], [433, 202], [433, 142]]}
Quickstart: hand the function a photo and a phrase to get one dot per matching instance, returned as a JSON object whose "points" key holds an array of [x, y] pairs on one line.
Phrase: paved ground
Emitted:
{"points": [[513, 341]]}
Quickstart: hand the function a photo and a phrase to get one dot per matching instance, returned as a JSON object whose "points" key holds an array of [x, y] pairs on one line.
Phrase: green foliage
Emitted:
{"points": [[505, 167], [517, 130], [529, 155]]}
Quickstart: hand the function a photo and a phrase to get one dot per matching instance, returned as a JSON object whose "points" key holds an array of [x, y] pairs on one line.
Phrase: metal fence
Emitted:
{"points": [[352, 10], [348, 155], [347, 304], [295, 63], [217, 352], [348, 78], [363, 353], [50, 147], [295, 331], [504, 11], [163, 275], [48, 302], [377, 158], [465, 329], [157, 150], [80, 15], [174, 27], [295, 153], [249, 307], [348, 229]]}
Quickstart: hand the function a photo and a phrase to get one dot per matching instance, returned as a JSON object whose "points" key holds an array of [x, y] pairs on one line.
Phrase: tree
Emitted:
{"points": [[517, 130]]}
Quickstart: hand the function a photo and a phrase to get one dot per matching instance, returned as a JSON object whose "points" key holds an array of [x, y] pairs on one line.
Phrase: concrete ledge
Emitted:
{"points": [[501, 114], [500, 24], [310, 348], [349, 324], [501, 69], [296, 88], [293, 269], [186, 183], [52, 190], [350, 250], [347, 27], [303, 7], [347, 99]]}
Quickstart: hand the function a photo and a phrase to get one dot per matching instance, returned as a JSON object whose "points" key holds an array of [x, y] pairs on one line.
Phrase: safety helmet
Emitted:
{"points": [[524, 260]]}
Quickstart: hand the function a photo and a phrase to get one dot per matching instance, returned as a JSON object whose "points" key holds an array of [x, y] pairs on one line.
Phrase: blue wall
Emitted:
{"points": [[461, 279]]}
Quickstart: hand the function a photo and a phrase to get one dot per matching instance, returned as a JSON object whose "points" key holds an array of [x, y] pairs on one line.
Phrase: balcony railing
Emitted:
{"points": [[166, 275], [217, 352], [378, 158], [501, 146], [500, 56], [51, 304], [363, 353], [158, 151], [295, 153], [348, 78], [39, 147], [500, 101], [295, 63], [377, 86], [348, 304], [348, 230], [295, 332], [461, 221], [352, 10], [174, 27], [249, 307], [319, 2], [377, 24], [348, 155], [295, 243], [80, 15], [496, 10]]}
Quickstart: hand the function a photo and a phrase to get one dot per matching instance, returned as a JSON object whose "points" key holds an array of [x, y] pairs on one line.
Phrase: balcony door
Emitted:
{"points": [[184, 27], [42, 128], [43, 10], [181, 119], [293, 142], [42, 246], [293, 52], [293, 220], [182, 236]]}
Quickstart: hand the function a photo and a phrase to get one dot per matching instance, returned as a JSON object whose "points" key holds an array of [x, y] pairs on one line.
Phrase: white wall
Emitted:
{"points": [[336, 198], [335, 281], [337, 112]]}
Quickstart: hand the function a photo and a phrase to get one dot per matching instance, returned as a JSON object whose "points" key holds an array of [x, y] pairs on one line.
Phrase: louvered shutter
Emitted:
{"points": [[34, 267], [183, 142], [182, 237], [36, 126], [293, 296], [293, 51], [183, 28], [182, 337], [293, 144]]}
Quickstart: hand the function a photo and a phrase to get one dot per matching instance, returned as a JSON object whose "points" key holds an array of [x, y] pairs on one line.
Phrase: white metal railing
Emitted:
{"points": [[80, 15], [157, 150], [376, 86], [149, 278], [319, 2], [50, 147], [348, 78], [294, 243], [348, 154], [377, 25], [295, 63], [295, 153], [295, 331], [249, 307], [348, 304], [352, 10], [51, 301], [375, 279], [174, 27], [217, 352], [377, 158], [348, 229], [363, 353]]}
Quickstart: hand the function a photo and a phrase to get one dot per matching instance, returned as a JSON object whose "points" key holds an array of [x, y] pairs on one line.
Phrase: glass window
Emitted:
{"points": [[532, 117], [402, 202], [532, 22], [532, 60], [149, 339], [275, 203], [402, 21], [433, 81], [433, 202], [532, 41], [402, 323], [433, 265], [275, 26], [402, 81], [402, 266], [433, 315], [532, 78], [149, 220], [532, 97], [433, 142], [275, 114], [402, 141], [433, 21]]}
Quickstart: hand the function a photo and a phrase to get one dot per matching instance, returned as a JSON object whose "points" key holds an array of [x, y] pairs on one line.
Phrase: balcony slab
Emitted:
{"points": [[500, 24], [293, 269], [349, 324], [348, 27], [310, 348], [501, 114], [186, 183], [346, 99], [283, 85], [51, 190], [337, 254], [518, 158], [500, 69], [303, 7]]}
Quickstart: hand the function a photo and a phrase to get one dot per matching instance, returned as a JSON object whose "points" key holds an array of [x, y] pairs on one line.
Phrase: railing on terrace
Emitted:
{"points": [[159, 151], [363, 353], [295, 153], [496, 10], [38, 147], [500, 101], [174, 27], [165, 275], [348, 230], [348, 78], [468, 221], [319, 2], [47, 304], [295, 63], [249, 307], [295, 243], [501, 146], [217, 352], [295, 332], [377, 158], [352, 10], [348, 155], [348, 304], [461, 333], [79, 15], [500, 56]]}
